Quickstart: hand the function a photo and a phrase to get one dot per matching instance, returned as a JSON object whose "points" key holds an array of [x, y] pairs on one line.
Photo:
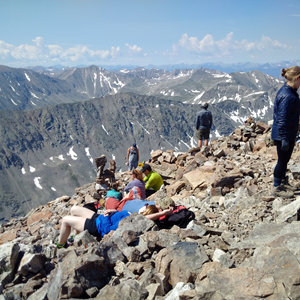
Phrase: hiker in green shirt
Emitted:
{"points": [[153, 180]]}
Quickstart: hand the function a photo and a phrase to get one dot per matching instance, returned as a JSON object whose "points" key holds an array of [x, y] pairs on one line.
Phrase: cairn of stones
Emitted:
{"points": [[242, 244]]}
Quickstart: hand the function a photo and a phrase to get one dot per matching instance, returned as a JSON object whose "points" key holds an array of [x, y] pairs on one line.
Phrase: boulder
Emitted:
{"points": [[181, 262]]}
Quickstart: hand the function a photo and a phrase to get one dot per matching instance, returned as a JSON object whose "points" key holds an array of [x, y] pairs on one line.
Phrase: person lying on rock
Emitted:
{"points": [[82, 218], [164, 206], [137, 181]]}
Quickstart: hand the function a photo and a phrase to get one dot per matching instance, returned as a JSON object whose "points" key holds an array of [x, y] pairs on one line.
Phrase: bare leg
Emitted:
{"points": [[200, 144], [205, 142], [79, 211], [67, 223]]}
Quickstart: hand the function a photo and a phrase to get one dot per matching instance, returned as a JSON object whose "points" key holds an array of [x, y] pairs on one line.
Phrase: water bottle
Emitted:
{"points": [[135, 193]]}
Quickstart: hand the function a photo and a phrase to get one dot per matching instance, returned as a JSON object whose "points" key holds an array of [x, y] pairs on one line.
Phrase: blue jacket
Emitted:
{"points": [[203, 119], [286, 114], [107, 223]]}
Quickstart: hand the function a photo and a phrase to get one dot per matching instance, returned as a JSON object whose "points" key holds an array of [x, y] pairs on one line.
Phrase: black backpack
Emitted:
{"points": [[180, 217]]}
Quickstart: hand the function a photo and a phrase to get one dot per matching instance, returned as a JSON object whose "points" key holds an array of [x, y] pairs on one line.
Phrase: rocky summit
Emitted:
{"points": [[242, 244]]}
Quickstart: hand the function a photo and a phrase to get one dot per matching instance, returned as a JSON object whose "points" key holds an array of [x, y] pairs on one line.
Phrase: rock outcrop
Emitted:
{"points": [[243, 243]]}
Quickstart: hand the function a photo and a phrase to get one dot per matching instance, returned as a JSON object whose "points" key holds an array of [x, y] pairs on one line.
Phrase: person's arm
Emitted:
{"points": [[109, 212], [152, 180], [210, 119], [157, 215], [196, 122], [127, 156], [128, 186], [138, 154], [284, 120]]}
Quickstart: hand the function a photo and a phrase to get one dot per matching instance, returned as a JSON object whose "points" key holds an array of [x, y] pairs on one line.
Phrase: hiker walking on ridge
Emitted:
{"points": [[203, 123], [132, 157], [285, 128]]}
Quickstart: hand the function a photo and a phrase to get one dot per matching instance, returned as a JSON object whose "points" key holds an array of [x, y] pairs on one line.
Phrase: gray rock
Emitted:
{"points": [[84, 238], [135, 222], [32, 263], [265, 233], [179, 289], [129, 289], [200, 231], [122, 271], [152, 276], [281, 264], [160, 239], [181, 263], [289, 213]]}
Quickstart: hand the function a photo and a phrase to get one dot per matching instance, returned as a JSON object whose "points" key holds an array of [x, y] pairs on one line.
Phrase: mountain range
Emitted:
{"points": [[53, 127], [273, 69]]}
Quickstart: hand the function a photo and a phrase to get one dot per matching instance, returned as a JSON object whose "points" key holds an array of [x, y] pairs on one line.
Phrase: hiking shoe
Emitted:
{"points": [[71, 238], [286, 185], [289, 187], [281, 191], [65, 245]]}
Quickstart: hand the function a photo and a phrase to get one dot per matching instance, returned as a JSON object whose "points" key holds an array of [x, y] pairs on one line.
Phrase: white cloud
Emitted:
{"points": [[209, 47], [135, 50], [40, 52]]}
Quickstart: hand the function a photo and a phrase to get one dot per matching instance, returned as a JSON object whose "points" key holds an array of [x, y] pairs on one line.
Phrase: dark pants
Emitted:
{"points": [[283, 159], [149, 193]]}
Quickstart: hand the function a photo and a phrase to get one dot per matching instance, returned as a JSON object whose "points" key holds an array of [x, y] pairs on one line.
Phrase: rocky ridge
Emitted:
{"points": [[243, 243]]}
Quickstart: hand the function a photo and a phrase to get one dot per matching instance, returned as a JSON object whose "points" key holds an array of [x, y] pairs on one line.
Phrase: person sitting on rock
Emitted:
{"points": [[97, 225], [153, 180], [137, 181]]}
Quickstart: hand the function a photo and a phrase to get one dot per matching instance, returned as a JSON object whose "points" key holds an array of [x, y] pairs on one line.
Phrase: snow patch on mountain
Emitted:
{"points": [[27, 77], [256, 93], [105, 129], [72, 153], [37, 183], [34, 95], [143, 127], [87, 151], [13, 102]]}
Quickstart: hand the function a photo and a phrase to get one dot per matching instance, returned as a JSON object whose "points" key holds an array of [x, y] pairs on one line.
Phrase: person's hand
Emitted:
{"points": [[168, 211], [127, 164], [285, 145], [109, 212]]}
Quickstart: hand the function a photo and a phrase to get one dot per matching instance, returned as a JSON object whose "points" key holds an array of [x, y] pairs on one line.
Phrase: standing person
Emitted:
{"points": [[153, 180], [137, 176], [285, 128], [132, 157], [203, 123]]}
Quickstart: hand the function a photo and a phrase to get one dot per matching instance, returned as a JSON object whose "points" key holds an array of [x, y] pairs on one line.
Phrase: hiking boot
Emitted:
{"points": [[65, 245], [71, 238], [281, 191], [286, 185]]}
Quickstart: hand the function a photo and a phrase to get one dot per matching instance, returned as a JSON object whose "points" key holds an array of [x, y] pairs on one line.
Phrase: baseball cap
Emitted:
{"points": [[134, 145], [146, 167]]}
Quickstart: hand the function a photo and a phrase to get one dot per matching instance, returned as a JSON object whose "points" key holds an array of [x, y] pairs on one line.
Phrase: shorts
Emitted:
{"points": [[132, 165], [202, 134], [91, 227]]}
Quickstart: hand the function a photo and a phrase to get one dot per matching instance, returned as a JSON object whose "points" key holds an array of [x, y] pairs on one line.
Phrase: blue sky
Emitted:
{"points": [[138, 32]]}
